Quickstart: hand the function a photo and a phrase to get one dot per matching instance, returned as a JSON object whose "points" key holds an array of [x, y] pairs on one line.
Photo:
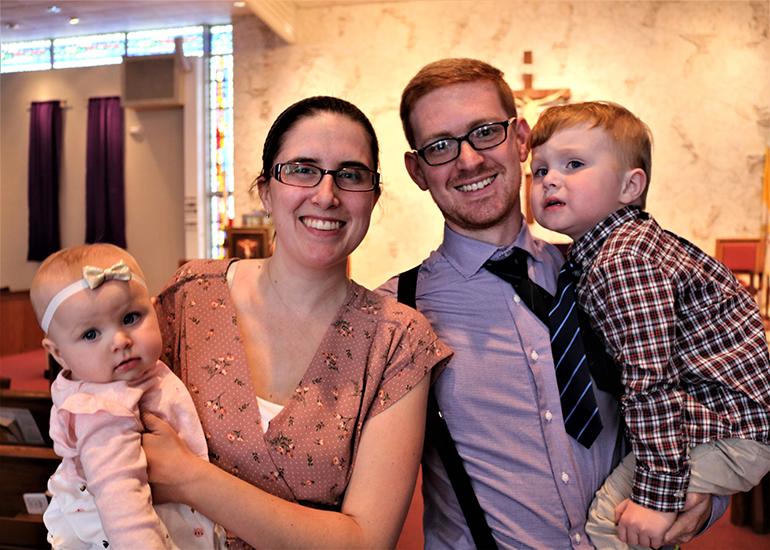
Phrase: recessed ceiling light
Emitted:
{"points": [[239, 4], [74, 21], [53, 9]]}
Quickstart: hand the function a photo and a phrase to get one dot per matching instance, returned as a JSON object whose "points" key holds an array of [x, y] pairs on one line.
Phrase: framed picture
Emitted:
{"points": [[248, 242]]}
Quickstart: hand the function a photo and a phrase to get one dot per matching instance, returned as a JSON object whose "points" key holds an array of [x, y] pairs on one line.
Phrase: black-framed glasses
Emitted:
{"points": [[306, 175], [483, 137]]}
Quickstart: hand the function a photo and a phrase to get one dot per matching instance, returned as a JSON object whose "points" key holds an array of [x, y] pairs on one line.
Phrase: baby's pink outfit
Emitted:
{"points": [[101, 497]]}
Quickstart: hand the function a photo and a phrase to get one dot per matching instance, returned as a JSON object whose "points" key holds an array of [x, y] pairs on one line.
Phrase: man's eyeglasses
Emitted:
{"points": [[307, 175], [484, 137]]}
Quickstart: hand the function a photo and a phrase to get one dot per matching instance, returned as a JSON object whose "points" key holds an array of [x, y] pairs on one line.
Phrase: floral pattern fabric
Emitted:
{"points": [[374, 352]]}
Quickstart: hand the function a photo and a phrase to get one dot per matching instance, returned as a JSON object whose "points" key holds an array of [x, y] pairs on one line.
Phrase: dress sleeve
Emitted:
{"points": [[192, 282], [412, 353], [109, 446], [635, 304], [168, 307]]}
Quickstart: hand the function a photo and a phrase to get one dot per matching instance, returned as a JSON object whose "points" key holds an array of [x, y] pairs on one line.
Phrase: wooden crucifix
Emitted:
{"points": [[529, 103]]}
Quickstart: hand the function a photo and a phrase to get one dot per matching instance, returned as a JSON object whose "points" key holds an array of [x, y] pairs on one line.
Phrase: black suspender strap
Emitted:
{"points": [[438, 432], [407, 287]]}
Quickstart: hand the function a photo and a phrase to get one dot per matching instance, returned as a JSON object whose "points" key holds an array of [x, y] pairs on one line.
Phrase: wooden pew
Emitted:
{"points": [[25, 469]]}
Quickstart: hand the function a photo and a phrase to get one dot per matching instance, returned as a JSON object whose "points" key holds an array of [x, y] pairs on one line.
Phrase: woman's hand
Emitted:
{"points": [[169, 460]]}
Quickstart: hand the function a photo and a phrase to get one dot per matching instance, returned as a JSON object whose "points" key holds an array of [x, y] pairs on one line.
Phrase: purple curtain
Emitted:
{"points": [[45, 144], [105, 205]]}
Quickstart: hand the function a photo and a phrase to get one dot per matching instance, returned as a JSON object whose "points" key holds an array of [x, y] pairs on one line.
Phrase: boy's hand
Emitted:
{"points": [[640, 526]]}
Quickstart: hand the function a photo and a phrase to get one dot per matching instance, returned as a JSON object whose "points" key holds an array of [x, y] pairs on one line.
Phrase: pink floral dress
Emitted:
{"points": [[374, 352]]}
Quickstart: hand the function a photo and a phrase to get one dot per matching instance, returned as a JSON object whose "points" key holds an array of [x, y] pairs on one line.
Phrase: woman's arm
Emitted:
{"points": [[373, 511]]}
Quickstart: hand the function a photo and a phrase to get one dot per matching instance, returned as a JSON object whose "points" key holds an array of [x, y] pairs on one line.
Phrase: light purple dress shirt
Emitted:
{"points": [[500, 399]]}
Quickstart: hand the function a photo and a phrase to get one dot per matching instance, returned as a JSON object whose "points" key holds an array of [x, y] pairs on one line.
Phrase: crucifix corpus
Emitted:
{"points": [[529, 103]]}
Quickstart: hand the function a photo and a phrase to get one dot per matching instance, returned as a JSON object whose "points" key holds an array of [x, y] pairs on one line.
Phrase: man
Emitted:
{"points": [[499, 394]]}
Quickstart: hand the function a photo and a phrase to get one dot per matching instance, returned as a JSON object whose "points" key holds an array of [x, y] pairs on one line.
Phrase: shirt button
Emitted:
{"points": [[534, 355], [516, 299], [577, 538], [548, 416], [564, 477]]}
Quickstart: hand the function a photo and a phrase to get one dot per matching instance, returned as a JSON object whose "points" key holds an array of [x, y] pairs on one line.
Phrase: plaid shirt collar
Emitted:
{"points": [[584, 250]]}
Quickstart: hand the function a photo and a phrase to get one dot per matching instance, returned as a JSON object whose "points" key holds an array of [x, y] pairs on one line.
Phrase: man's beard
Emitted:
{"points": [[483, 217]]}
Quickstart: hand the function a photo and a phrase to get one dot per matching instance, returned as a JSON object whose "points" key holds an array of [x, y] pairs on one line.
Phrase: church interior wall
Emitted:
{"points": [[154, 184], [698, 73]]}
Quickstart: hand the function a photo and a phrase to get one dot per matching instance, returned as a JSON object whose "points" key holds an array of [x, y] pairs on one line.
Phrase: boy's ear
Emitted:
{"points": [[634, 185], [51, 347], [412, 162]]}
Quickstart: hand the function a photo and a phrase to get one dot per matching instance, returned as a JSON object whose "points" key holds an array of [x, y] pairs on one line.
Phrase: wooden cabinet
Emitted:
{"points": [[25, 469]]}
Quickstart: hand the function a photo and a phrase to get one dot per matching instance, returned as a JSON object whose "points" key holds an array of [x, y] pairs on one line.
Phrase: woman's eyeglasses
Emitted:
{"points": [[306, 175]]}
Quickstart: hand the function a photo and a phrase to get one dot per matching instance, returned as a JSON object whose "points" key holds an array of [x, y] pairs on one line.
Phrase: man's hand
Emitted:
{"points": [[640, 526], [690, 521]]}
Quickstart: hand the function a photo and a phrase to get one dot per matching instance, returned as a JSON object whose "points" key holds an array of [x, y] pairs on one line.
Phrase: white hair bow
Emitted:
{"points": [[95, 276]]}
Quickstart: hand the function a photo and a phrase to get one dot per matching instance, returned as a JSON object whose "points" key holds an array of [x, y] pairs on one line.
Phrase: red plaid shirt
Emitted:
{"points": [[690, 340]]}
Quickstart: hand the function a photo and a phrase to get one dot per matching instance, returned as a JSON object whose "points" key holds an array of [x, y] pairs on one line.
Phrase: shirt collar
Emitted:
{"points": [[468, 255], [585, 249]]}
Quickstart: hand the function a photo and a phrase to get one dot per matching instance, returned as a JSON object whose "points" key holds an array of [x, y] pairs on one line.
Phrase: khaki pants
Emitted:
{"points": [[719, 467]]}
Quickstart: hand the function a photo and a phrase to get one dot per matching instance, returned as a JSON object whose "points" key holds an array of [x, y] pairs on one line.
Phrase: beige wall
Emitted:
{"points": [[153, 176], [697, 72]]}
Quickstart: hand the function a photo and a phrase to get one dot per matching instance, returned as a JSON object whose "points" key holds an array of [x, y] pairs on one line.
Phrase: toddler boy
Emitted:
{"points": [[687, 336]]}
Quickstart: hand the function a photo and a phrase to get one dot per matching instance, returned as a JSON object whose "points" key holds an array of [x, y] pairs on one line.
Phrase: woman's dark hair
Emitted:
{"points": [[308, 107]]}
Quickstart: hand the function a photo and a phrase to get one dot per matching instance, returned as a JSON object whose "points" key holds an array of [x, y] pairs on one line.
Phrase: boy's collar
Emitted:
{"points": [[584, 250]]}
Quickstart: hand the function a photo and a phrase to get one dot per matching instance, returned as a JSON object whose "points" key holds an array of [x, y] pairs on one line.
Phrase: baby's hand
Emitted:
{"points": [[640, 526]]}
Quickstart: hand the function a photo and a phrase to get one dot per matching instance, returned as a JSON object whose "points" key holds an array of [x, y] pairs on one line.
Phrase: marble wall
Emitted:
{"points": [[697, 72]]}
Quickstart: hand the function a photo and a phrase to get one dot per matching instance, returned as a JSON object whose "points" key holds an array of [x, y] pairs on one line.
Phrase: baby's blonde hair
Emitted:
{"points": [[630, 138], [66, 266]]}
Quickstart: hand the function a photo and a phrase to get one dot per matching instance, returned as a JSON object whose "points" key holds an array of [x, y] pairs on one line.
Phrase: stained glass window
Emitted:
{"points": [[25, 56], [110, 48], [221, 147], [87, 51], [221, 40], [161, 41]]}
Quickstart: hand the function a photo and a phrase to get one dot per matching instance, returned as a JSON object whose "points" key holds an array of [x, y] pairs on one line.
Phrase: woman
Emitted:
{"points": [[336, 465]]}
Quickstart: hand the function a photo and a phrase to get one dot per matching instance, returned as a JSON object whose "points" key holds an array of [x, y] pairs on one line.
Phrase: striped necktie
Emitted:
{"points": [[578, 403]]}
